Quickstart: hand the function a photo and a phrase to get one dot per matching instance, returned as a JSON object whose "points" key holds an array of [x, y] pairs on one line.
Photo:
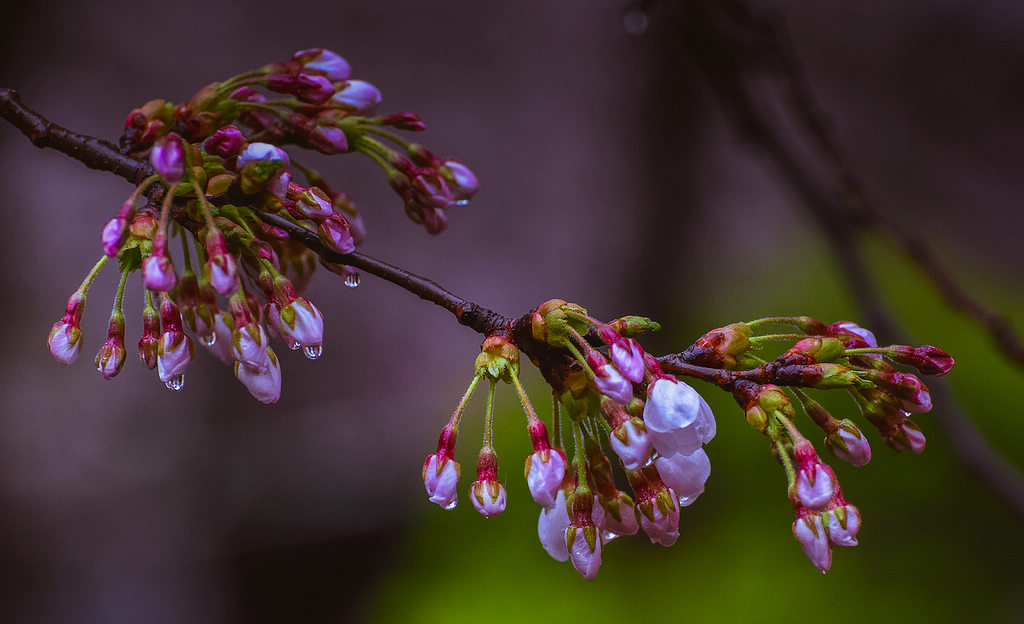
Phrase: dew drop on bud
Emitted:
{"points": [[209, 340], [293, 345], [462, 202], [313, 352], [634, 20], [176, 383], [352, 280], [451, 505]]}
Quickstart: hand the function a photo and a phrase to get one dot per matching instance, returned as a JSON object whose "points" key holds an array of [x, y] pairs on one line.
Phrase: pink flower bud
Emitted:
{"points": [[334, 232], [927, 359], [551, 527], [849, 328], [302, 323], [849, 444], [461, 181], [313, 203], [659, 516], [685, 474], [905, 437], [842, 524], [175, 349], [323, 62], [430, 191], [582, 538], [441, 478], [609, 381], [257, 152], [310, 89], [544, 473], [815, 485], [631, 443], [358, 96], [158, 273], [225, 143], [113, 235], [619, 518], [65, 339], [168, 158], [219, 344], [810, 532], [111, 355], [488, 497], [628, 357], [585, 551], [250, 346], [404, 121], [150, 341], [328, 139], [263, 383], [678, 419]]}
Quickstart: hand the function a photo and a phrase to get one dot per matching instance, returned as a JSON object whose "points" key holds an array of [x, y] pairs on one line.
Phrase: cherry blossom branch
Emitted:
{"points": [[103, 156]]}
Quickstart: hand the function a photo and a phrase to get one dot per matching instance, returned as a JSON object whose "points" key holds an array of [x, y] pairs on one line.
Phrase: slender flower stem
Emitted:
{"points": [[489, 418], [777, 337], [531, 414], [119, 297], [581, 458], [87, 282], [457, 415], [556, 422]]}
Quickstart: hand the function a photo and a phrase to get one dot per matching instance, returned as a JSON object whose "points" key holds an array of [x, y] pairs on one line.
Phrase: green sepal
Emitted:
{"points": [[129, 259]]}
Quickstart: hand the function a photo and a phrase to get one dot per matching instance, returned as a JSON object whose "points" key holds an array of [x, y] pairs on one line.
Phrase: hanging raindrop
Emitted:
{"points": [[293, 345], [352, 280], [313, 352], [462, 202], [176, 383], [209, 340]]}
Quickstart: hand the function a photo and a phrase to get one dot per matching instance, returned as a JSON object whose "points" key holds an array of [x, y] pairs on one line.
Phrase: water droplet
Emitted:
{"points": [[352, 280], [686, 501], [294, 346], [209, 340], [462, 202], [451, 505], [607, 536], [176, 383], [635, 20], [313, 352]]}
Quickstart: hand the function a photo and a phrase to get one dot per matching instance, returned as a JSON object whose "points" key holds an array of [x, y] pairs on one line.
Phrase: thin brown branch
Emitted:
{"points": [[91, 152]]}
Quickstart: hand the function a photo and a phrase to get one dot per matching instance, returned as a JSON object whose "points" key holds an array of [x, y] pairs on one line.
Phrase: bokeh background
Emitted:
{"points": [[611, 177]]}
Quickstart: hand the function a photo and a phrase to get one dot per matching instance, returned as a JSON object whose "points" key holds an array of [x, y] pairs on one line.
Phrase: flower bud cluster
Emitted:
{"points": [[617, 399], [841, 355], [313, 102], [219, 167]]}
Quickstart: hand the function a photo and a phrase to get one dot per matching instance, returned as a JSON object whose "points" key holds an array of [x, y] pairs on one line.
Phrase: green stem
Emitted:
{"points": [[777, 337], [87, 282], [119, 297], [581, 458], [556, 422], [489, 418], [457, 415], [531, 414]]}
